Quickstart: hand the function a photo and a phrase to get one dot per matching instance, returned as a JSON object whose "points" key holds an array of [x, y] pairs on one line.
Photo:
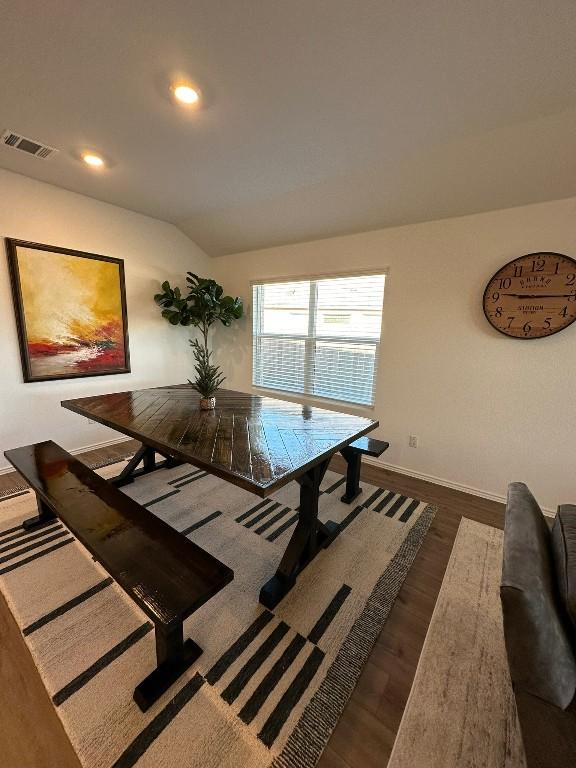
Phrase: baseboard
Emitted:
{"points": [[446, 483], [75, 451]]}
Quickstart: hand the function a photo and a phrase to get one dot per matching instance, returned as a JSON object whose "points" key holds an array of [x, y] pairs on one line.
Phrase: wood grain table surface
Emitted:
{"points": [[258, 443]]}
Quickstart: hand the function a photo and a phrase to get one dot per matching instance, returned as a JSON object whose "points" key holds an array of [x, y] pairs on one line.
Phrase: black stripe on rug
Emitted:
{"points": [[350, 517], [160, 498], [407, 514], [20, 540], [262, 515], [12, 530], [236, 686], [47, 618], [145, 738], [84, 677], [372, 499], [337, 484], [35, 557], [12, 494], [329, 614], [270, 523], [258, 506], [184, 477], [291, 697], [38, 530], [31, 547], [238, 647], [271, 680], [386, 500], [200, 523], [191, 480], [274, 535], [396, 506]]}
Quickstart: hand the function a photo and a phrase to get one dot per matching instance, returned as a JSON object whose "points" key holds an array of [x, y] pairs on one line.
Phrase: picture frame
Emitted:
{"points": [[70, 309]]}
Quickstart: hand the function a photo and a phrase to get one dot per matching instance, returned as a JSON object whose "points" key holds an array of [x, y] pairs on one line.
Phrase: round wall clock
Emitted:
{"points": [[532, 296]]}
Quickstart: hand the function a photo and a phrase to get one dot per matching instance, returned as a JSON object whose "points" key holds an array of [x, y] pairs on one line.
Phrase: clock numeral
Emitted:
{"points": [[547, 323], [495, 297], [564, 312], [557, 268], [518, 271], [527, 328], [572, 296], [505, 282], [498, 311], [510, 319], [571, 278], [538, 265]]}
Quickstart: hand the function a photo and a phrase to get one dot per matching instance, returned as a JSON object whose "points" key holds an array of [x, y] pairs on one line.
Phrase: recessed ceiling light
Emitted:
{"points": [[185, 93], [93, 160]]}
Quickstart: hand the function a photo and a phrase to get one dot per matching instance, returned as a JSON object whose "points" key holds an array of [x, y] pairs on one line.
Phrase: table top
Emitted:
{"points": [[259, 443]]}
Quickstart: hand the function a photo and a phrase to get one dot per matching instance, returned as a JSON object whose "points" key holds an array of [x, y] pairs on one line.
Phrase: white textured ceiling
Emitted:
{"points": [[320, 117]]}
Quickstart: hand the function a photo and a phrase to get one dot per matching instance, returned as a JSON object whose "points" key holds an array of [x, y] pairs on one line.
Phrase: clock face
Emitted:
{"points": [[532, 296]]}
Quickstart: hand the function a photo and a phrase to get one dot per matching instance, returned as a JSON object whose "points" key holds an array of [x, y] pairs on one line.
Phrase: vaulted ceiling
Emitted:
{"points": [[318, 117]]}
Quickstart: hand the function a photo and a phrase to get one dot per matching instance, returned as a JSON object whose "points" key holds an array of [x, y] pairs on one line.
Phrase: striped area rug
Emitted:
{"points": [[270, 686]]}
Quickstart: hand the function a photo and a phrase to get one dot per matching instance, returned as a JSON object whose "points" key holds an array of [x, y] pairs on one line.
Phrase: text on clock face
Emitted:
{"points": [[532, 296]]}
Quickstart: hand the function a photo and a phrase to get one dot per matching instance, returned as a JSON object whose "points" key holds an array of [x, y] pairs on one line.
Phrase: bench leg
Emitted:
{"points": [[354, 461], [45, 516], [173, 657]]}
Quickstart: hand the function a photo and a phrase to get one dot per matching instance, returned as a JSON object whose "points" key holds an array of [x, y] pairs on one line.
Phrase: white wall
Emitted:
{"points": [[152, 250], [487, 409]]}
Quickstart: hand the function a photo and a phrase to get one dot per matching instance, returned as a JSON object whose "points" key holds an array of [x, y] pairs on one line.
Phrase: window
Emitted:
{"points": [[319, 337]]}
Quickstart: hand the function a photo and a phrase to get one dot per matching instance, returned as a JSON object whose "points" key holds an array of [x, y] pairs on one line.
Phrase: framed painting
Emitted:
{"points": [[70, 311]]}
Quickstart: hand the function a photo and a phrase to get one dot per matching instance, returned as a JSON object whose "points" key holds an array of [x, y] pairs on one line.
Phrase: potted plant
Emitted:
{"points": [[203, 305]]}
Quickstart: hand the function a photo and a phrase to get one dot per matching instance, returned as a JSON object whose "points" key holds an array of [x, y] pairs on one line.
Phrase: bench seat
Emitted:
{"points": [[166, 574], [368, 446]]}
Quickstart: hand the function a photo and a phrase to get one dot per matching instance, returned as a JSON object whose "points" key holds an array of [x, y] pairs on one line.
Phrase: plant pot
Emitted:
{"points": [[207, 403]]}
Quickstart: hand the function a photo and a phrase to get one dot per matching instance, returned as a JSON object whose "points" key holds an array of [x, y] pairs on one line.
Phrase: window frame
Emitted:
{"points": [[310, 339]]}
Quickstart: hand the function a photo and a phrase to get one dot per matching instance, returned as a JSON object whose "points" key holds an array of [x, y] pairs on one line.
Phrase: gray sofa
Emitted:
{"points": [[538, 593]]}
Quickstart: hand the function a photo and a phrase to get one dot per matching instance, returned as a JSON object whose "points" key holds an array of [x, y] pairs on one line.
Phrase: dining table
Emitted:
{"points": [[253, 441]]}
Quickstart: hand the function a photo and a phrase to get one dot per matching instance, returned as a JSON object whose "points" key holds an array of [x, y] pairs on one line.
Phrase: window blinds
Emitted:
{"points": [[319, 337]]}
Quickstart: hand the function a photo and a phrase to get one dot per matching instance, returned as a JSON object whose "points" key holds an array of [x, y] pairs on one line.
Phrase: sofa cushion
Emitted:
{"points": [[540, 655], [564, 553]]}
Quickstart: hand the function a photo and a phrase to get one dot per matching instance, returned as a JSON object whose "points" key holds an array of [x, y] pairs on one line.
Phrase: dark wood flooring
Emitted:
{"points": [[31, 734]]}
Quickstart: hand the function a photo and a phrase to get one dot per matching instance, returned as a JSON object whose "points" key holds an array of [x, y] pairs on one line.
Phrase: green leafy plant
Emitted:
{"points": [[202, 306]]}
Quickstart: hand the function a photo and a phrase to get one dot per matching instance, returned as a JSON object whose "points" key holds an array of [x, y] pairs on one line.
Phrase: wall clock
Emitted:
{"points": [[532, 296]]}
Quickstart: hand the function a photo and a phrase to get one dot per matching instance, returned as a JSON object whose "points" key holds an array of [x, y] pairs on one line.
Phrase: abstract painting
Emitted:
{"points": [[70, 311]]}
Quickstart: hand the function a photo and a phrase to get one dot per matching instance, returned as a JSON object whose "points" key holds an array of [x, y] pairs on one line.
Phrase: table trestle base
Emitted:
{"points": [[308, 538]]}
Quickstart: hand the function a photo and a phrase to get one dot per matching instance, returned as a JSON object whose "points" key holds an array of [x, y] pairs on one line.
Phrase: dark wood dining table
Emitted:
{"points": [[258, 443]]}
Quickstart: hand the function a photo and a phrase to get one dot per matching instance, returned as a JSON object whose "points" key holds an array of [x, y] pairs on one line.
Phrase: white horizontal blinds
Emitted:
{"points": [[280, 335], [349, 318], [319, 337]]}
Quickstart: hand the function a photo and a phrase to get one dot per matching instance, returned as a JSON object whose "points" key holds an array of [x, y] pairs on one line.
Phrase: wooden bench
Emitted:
{"points": [[166, 574], [364, 446]]}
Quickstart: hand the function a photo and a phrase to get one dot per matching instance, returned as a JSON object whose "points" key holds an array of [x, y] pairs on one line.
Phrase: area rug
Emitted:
{"points": [[461, 710], [270, 686]]}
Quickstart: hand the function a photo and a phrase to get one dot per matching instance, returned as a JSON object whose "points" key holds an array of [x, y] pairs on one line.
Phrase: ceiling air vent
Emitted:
{"points": [[31, 146]]}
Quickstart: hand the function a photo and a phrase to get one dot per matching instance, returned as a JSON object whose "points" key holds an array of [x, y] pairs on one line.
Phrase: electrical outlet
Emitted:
{"points": [[413, 441]]}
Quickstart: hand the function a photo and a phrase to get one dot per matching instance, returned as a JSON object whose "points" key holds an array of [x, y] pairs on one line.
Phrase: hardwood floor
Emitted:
{"points": [[31, 734]]}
